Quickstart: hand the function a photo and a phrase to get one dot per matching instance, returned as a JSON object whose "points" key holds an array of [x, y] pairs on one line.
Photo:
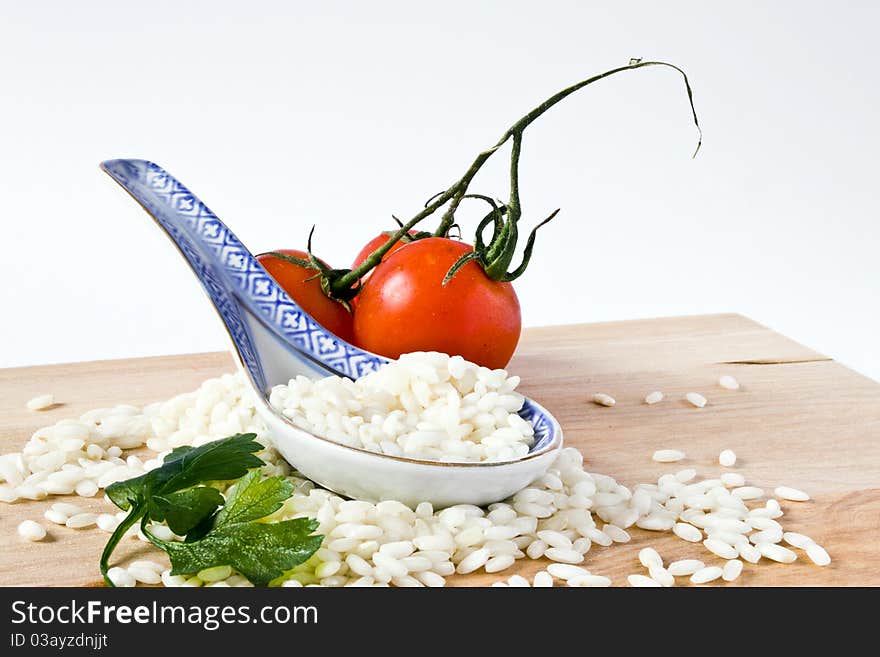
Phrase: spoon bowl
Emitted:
{"points": [[273, 340]]}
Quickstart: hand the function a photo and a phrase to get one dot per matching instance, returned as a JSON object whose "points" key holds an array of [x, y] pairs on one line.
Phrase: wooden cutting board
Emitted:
{"points": [[800, 419]]}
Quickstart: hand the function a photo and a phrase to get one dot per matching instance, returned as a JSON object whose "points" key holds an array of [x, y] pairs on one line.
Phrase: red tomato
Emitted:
{"points": [[330, 314], [369, 247], [374, 244], [404, 307]]}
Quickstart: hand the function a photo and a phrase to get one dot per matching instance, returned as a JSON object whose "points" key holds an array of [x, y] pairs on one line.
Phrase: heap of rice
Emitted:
{"points": [[424, 406]]}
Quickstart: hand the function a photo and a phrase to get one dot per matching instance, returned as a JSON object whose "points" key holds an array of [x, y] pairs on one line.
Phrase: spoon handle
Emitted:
{"points": [[258, 315]]}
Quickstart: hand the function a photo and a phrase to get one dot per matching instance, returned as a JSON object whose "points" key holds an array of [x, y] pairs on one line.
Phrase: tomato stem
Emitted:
{"points": [[305, 264], [495, 258]]}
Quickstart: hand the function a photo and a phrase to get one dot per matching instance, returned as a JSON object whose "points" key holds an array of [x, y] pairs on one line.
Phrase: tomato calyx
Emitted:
{"points": [[325, 273], [496, 257]]}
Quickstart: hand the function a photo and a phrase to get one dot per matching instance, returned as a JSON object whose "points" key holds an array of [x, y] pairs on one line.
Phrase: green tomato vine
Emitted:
{"points": [[496, 256]]}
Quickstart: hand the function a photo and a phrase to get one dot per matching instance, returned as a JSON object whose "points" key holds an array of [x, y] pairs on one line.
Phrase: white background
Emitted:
{"points": [[284, 114]]}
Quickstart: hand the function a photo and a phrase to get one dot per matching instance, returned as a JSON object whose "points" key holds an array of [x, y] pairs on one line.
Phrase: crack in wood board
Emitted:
{"points": [[774, 361]]}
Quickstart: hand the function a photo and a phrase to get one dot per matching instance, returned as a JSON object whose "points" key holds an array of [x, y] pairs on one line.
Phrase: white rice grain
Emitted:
{"points": [[818, 555], [82, 520], [668, 455], [55, 516], [705, 575], [686, 475], [685, 567], [8, 494], [720, 548], [66, 508], [776, 552], [731, 570], [650, 557], [564, 556], [616, 534], [555, 539], [121, 577], [144, 575], [86, 488], [749, 553], [642, 581], [214, 574], [791, 494], [661, 575], [499, 563], [748, 492], [797, 540], [518, 581], [687, 532], [31, 531], [536, 549], [696, 399], [728, 382], [602, 399], [766, 536], [107, 522], [41, 403], [733, 479], [566, 571], [474, 560], [542, 579]]}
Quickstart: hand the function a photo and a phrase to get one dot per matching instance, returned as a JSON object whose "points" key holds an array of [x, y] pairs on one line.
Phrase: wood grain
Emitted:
{"points": [[800, 419]]}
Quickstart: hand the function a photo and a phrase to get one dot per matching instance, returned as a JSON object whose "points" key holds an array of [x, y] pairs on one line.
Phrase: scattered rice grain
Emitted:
{"points": [[791, 494], [696, 399], [685, 567], [727, 381], [705, 575], [727, 458], [642, 581], [30, 530], [602, 399], [668, 455], [41, 402]]}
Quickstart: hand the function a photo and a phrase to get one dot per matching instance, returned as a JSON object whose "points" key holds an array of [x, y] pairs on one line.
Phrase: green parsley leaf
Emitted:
{"points": [[233, 536], [259, 551], [125, 494], [199, 531], [251, 499], [220, 460], [186, 509], [184, 468], [177, 452]]}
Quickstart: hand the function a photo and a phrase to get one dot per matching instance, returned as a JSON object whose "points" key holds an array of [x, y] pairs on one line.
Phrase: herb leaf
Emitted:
{"points": [[126, 494], [259, 551], [229, 458], [183, 468], [220, 460], [251, 499], [184, 510], [233, 536], [177, 452]]}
